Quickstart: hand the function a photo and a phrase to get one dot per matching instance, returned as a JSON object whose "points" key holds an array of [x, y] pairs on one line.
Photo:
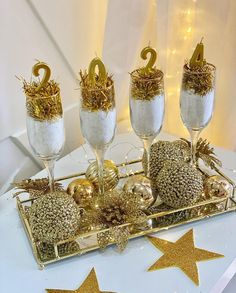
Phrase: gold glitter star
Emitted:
{"points": [[90, 285], [182, 254]]}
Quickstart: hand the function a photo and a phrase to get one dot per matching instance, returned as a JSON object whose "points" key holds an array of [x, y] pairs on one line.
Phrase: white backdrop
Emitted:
{"points": [[68, 34]]}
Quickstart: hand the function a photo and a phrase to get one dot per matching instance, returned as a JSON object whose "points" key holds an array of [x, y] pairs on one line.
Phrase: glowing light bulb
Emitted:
{"points": [[189, 30]]}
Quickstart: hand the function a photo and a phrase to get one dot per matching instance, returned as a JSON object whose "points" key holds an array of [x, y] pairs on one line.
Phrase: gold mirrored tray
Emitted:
{"points": [[158, 218]]}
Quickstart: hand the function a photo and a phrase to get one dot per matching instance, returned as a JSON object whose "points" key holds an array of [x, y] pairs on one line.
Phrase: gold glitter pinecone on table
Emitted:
{"points": [[54, 217], [162, 151], [179, 184], [111, 210]]}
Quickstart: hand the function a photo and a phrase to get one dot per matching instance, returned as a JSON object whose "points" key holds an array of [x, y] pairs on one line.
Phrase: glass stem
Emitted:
{"points": [[147, 147], [49, 165], [100, 160], [194, 134]]}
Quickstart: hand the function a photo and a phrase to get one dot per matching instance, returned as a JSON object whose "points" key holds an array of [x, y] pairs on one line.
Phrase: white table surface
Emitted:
{"points": [[125, 272]]}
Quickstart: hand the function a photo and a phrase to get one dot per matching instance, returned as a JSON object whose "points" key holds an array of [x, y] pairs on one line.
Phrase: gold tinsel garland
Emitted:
{"points": [[198, 79], [44, 104], [97, 96], [145, 85]]}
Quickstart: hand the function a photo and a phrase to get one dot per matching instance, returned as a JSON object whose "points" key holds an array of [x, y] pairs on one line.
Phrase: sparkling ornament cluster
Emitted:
{"points": [[179, 184], [54, 217]]}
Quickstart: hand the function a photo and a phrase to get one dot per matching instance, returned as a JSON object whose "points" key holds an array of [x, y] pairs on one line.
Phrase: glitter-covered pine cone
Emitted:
{"points": [[54, 217], [179, 184], [113, 209], [117, 208]]}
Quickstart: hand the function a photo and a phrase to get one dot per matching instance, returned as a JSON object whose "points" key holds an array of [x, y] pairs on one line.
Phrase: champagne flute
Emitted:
{"points": [[44, 120], [98, 113], [147, 103], [197, 98]]}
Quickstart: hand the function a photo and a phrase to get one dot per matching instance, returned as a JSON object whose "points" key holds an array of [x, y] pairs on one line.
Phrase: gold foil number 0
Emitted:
{"points": [[96, 62], [46, 76], [152, 59]]}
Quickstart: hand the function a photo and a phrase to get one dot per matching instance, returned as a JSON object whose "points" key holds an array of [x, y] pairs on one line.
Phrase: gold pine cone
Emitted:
{"points": [[179, 184], [54, 217], [110, 175], [82, 191]]}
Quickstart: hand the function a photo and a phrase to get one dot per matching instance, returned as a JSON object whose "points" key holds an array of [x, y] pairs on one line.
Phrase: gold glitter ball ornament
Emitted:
{"points": [[179, 184], [110, 175], [162, 151], [217, 186], [82, 191], [139, 185], [54, 217]]}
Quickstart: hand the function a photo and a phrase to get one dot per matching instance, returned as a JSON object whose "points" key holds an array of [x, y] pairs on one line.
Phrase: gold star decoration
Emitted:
{"points": [[182, 254], [90, 285]]}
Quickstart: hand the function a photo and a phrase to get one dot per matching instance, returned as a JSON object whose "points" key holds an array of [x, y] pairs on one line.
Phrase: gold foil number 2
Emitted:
{"points": [[46, 76], [96, 62], [152, 59]]}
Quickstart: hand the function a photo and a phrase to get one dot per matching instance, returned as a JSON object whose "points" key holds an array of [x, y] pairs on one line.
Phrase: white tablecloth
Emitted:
{"points": [[125, 272]]}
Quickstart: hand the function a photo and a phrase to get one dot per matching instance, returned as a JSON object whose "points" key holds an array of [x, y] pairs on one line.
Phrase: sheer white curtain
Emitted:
{"points": [[68, 34], [174, 27]]}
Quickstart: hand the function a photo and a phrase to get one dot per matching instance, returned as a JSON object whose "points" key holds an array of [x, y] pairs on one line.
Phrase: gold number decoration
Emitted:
{"points": [[97, 62], [197, 58], [152, 59], [46, 76]]}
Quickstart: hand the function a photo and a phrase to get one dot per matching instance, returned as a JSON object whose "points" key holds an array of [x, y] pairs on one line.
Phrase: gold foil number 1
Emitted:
{"points": [[46, 76], [96, 62], [152, 59]]}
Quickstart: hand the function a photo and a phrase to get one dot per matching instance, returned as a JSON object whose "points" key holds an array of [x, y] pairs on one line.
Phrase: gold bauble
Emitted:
{"points": [[110, 175], [179, 184], [163, 151], [54, 217], [217, 186], [139, 185], [82, 191]]}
